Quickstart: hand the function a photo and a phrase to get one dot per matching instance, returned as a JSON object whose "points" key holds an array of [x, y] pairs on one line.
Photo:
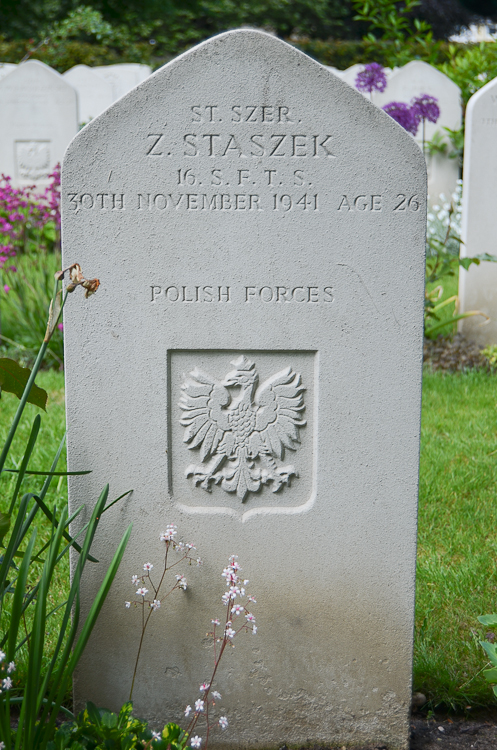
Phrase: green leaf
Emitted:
{"points": [[171, 732], [49, 231], [491, 650], [466, 262], [14, 378], [4, 525], [490, 674], [490, 621]]}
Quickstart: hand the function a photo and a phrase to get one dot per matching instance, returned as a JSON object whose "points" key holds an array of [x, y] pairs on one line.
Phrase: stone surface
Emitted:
{"points": [[94, 92], [418, 78], [38, 118], [250, 212], [6, 68], [478, 285], [123, 77]]}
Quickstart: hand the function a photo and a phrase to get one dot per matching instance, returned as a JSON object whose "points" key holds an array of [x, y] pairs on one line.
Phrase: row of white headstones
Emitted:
{"points": [[41, 111]]}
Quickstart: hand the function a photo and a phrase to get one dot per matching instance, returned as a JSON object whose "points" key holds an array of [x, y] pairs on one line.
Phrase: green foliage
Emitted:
{"points": [[28, 574], [14, 378], [96, 728], [471, 66], [389, 21], [24, 308], [490, 352], [490, 621], [342, 53]]}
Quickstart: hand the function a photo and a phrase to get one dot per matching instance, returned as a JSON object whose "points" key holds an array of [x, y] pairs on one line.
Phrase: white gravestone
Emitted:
{"points": [[417, 78], [94, 93], [258, 229], [6, 68], [123, 77], [478, 285], [38, 118]]}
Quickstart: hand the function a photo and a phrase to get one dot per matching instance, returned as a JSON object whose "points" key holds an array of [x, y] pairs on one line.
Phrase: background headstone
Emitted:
{"points": [[94, 92], [478, 285], [247, 204], [418, 78], [38, 118], [123, 77]]}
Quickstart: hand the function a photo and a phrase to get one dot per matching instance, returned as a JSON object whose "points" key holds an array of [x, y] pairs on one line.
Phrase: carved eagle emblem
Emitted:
{"points": [[241, 429]]}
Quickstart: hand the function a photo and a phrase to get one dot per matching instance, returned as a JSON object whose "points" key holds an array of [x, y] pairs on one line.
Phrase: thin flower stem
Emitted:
{"points": [[144, 626]]}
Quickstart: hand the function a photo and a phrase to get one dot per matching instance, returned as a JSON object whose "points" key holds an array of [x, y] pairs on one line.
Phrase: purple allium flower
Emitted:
{"points": [[404, 115], [372, 78], [426, 107]]}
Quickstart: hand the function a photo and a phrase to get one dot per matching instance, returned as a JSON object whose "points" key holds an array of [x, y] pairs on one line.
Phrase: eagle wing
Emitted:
{"points": [[203, 417], [279, 405]]}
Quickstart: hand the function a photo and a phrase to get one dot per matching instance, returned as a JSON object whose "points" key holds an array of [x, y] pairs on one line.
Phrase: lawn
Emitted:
{"points": [[457, 544]]}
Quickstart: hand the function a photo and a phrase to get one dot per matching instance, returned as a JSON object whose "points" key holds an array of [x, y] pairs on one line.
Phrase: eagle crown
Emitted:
{"points": [[243, 375]]}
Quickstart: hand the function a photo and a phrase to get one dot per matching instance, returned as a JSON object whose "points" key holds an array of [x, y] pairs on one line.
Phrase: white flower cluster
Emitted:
{"points": [[236, 588], [6, 682], [236, 591], [181, 583], [444, 220]]}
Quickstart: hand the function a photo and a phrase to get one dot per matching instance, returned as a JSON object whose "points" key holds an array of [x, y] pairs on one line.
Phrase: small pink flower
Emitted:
{"points": [[237, 609], [127, 605], [141, 591], [147, 566], [60, 326], [6, 288], [204, 686], [134, 579], [215, 622], [196, 741], [199, 705], [230, 633], [188, 711]]}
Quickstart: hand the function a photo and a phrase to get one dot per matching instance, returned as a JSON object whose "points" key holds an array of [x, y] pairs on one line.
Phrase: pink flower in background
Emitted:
{"points": [[26, 216], [6, 288], [372, 78], [404, 115], [425, 107], [60, 326]]}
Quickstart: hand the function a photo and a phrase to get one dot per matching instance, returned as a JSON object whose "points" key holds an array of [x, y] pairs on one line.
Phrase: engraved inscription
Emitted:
{"points": [[189, 294], [32, 159], [240, 428]]}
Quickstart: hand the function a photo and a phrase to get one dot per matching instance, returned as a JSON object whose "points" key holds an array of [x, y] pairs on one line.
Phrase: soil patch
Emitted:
{"points": [[454, 354]]}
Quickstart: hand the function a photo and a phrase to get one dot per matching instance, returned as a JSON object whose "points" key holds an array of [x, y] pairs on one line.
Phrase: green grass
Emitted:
{"points": [[457, 542], [51, 433], [457, 537], [24, 309]]}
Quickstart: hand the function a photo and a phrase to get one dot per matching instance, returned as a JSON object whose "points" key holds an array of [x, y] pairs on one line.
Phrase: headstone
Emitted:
{"points": [[6, 68], [250, 214], [417, 78], [477, 286], [38, 118], [94, 92], [123, 77]]}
